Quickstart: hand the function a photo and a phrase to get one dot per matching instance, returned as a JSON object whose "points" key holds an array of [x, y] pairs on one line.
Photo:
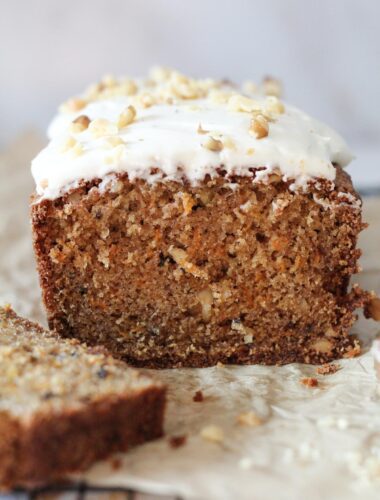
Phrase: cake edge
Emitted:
{"points": [[41, 450]]}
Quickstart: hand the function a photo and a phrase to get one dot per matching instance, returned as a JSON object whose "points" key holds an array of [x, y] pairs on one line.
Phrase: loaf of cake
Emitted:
{"points": [[184, 222], [63, 406]]}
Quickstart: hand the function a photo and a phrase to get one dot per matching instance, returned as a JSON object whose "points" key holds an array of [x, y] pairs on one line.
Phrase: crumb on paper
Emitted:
{"points": [[212, 433], [198, 397], [372, 309], [309, 381], [249, 419], [116, 463], [328, 369], [219, 364], [177, 441]]}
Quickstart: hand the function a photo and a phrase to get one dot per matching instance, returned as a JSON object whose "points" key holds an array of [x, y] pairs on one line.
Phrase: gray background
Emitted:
{"points": [[327, 52]]}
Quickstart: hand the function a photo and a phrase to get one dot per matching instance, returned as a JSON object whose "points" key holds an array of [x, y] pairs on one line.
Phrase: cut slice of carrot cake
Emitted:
{"points": [[182, 222], [64, 406]]}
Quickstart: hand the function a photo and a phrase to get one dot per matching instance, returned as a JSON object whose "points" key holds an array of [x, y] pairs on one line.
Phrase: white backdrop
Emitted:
{"points": [[327, 52]]}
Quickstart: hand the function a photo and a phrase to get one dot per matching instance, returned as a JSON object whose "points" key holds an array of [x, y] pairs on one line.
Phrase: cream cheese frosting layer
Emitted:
{"points": [[186, 132]]}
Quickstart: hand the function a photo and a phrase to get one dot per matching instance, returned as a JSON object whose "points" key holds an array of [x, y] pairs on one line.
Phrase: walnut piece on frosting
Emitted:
{"points": [[259, 126], [201, 130], [126, 117], [112, 141], [238, 102], [67, 143], [213, 144], [101, 126], [80, 124], [274, 105], [250, 87], [72, 105], [272, 86]]}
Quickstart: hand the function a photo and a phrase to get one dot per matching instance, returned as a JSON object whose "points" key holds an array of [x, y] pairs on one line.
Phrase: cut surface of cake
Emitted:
{"points": [[184, 222], [64, 406]]}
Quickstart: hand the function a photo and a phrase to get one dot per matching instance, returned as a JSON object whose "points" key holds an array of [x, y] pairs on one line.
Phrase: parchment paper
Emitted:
{"points": [[314, 443]]}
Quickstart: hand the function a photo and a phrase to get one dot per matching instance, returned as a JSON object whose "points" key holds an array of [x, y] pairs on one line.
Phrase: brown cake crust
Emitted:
{"points": [[179, 275], [48, 445], [52, 446]]}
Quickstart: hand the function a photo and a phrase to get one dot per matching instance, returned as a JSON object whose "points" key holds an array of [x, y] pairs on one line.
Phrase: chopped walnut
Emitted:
{"points": [[160, 74], [188, 203], [248, 332], [229, 143], [206, 300], [112, 141], [72, 105], [274, 105], [259, 126], [198, 397], [250, 87], [213, 144], [238, 102], [272, 86], [67, 144], [218, 96], [101, 127], [309, 382], [126, 117], [181, 258], [327, 369], [249, 418], [80, 124], [201, 130], [109, 81], [76, 150], [144, 100], [322, 345], [212, 433]]}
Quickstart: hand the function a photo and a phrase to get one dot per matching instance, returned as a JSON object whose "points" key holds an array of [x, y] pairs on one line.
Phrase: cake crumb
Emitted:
{"points": [[249, 419], [309, 381], [373, 309], [198, 397], [116, 463], [177, 441], [212, 433], [327, 369]]}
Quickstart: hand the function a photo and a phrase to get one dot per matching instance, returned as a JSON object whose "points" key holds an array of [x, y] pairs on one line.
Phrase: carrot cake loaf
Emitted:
{"points": [[63, 406], [182, 222]]}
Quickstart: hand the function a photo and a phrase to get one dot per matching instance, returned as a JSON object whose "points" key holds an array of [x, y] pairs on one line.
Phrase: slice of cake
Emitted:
{"points": [[183, 222], [63, 406]]}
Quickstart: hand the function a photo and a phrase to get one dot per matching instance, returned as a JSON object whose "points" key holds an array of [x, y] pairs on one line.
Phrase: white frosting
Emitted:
{"points": [[166, 136]]}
